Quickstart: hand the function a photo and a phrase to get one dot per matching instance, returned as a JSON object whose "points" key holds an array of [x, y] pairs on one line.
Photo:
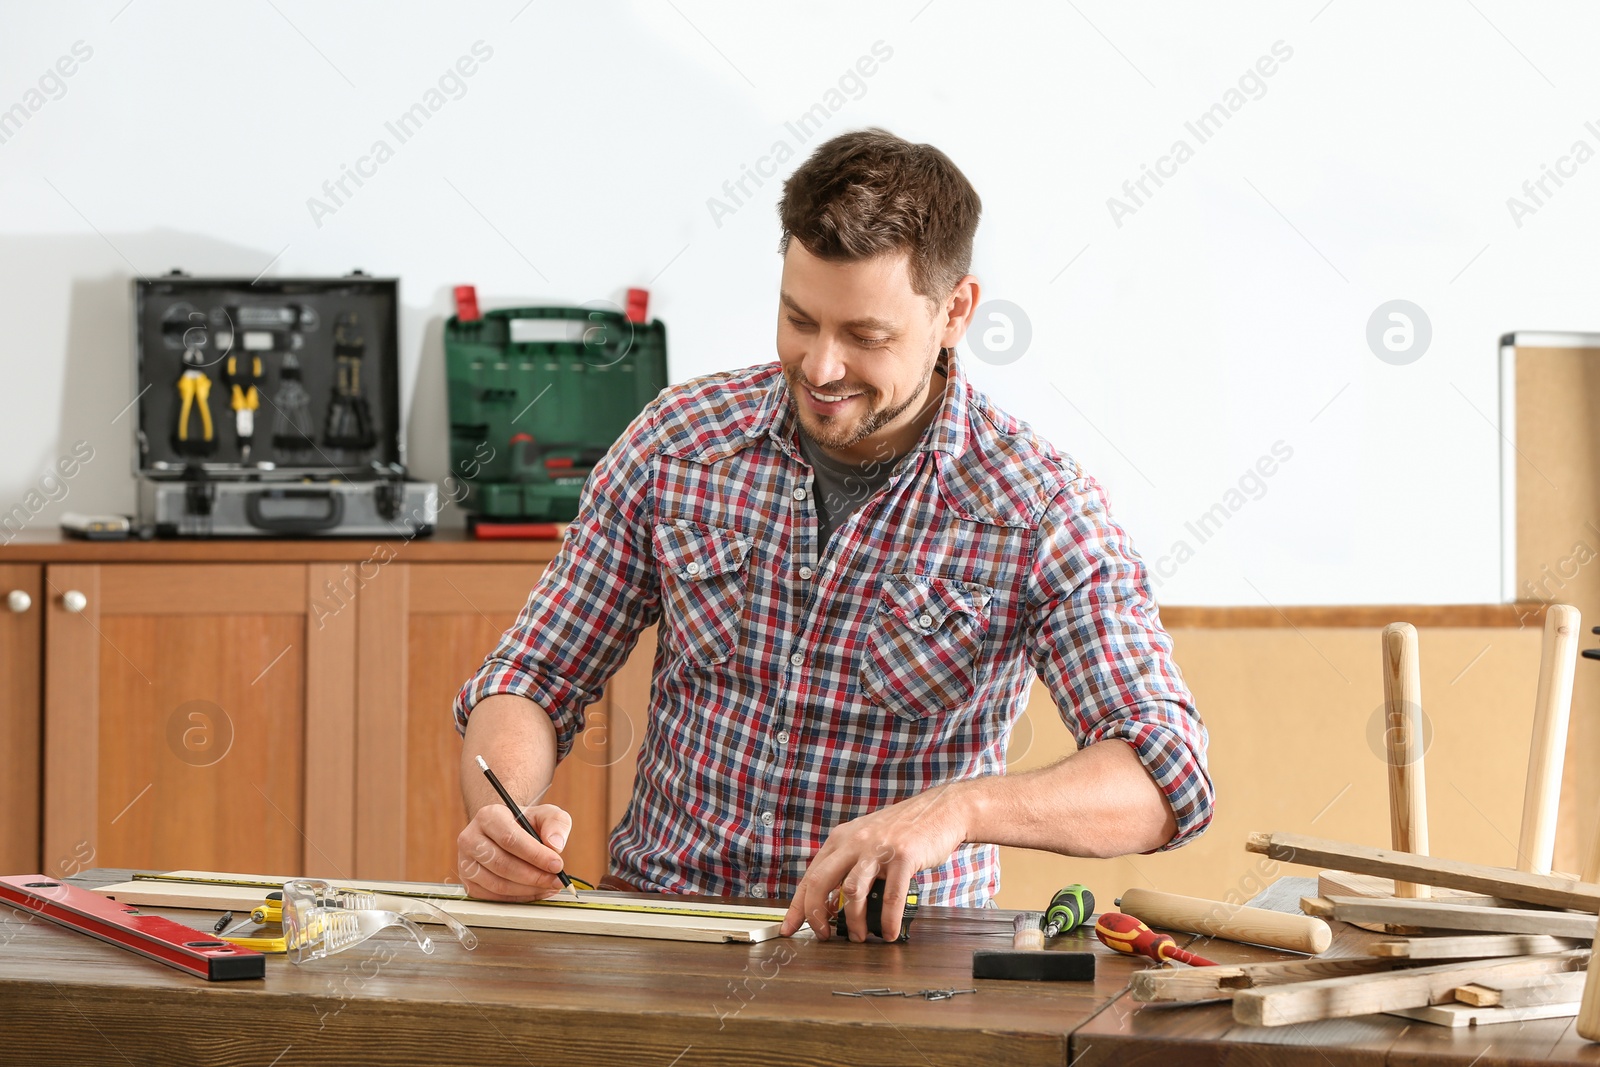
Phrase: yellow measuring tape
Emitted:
{"points": [[584, 905]]}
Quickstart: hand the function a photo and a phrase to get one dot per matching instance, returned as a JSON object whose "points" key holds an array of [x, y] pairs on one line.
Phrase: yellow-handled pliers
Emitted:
{"points": [[194, 385]]}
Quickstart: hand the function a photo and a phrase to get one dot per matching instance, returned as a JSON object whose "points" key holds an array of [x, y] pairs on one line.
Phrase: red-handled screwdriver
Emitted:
{"points": [[1132, 937]]}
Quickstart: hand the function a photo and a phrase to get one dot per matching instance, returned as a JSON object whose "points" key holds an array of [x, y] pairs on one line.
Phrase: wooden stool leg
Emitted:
{"points": [[1548, 750], [1589, 1009], [1402, 701]]}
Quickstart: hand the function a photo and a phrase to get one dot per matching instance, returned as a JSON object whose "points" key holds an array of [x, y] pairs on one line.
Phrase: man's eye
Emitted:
{"points": [[871, 342], [799, 324]]}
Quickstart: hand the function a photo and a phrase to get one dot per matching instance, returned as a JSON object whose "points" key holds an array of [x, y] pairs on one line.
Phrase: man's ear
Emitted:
{"points": [[956, 314]]}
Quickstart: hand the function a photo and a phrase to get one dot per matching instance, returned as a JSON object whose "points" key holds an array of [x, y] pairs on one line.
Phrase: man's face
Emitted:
{"points": [[858, 347]]}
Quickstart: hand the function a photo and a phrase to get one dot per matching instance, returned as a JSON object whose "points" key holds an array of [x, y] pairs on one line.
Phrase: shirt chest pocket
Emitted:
{"points": [[703, 587], [923, 648]]}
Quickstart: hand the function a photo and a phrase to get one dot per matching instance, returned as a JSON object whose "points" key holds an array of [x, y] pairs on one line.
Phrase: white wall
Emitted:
{"points": [[1227, 313]]}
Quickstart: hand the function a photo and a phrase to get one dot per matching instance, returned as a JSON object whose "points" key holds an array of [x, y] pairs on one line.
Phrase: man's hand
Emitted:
{"points": [[497, 860], [893, 844]]}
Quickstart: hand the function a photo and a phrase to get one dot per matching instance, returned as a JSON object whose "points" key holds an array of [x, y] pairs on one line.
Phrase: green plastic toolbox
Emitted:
{"points": [[537, 396]]}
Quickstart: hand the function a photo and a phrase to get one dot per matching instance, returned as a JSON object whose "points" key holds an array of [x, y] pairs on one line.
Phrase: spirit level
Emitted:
{"points": [[125, 926]]}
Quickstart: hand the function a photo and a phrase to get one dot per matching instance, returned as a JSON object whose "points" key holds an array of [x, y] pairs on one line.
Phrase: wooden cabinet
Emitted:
{"points": [[178, 719], [20, 635], [272, 708]]}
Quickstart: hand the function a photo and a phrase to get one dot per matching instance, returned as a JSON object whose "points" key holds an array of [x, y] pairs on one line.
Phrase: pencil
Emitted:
{"points": [[522, 820]]}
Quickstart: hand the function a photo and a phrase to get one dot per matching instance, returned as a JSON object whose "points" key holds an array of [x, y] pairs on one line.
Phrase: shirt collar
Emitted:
{"points": [[947, 433]]}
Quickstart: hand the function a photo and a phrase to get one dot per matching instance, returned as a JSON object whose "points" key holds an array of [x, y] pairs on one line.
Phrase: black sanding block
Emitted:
{"points": [[1033, 965]]}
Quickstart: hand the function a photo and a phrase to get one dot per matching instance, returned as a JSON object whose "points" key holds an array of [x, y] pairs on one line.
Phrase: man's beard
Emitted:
{"points": [[829, 434]]}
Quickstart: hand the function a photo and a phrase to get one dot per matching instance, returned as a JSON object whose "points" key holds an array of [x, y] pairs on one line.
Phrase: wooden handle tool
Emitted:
{"points": [[1548, 750], [1403, 742], [1027, 930], [1232, 922]]}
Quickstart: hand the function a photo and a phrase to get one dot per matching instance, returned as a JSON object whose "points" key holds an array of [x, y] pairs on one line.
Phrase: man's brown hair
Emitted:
{"points": [[867, 193]]}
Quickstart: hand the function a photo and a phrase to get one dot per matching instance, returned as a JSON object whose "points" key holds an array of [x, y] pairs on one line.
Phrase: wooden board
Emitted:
{"points": [[1364, 994], [1554, 890], [1350, 884], [1222, 982], [1472, 946], [648, 917], [1438, 915], [1467, 1015], [1565, 988]]}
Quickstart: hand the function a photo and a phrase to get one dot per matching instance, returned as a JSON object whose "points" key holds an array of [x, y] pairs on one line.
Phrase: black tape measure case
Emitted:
{"points": [[271, 408]]}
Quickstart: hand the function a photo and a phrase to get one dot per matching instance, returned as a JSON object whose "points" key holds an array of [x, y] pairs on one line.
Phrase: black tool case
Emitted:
{"points": [[271, 408]]}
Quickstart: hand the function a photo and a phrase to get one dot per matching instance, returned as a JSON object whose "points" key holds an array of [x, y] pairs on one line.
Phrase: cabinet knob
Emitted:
{"points": [[74, 601], [18, 601]]}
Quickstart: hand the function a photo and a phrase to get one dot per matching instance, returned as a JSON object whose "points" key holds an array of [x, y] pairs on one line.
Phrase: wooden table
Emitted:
{"points": [[545, 998]]}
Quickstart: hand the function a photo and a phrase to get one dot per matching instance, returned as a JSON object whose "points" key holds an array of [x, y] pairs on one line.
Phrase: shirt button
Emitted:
{"points": [[694, 568], [758, 891], [767, 819], [783, 737], [796, 659], [805, 572], [800, 492], [923, 620]]}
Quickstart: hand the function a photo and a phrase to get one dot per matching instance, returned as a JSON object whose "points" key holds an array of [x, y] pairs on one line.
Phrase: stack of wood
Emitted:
{"points": [[1475, 944], [1520, 952]]}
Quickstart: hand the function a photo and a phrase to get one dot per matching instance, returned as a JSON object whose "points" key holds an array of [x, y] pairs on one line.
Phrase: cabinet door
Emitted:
{"points": [[455, 617], [176, 730], [20, 665]]}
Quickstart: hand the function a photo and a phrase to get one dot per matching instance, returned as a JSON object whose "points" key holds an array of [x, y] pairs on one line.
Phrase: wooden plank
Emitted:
{"points": [[1353, 616], [745, 923], [1564, 988], [1555, 890], [380, 756], [1350, 884], [1438, 915], [1403, 746], [21, 719], [1364, 994], [209, 589], [1548, 750], [71, 721], [1468, 1015], [330, 732], [1222, 982], [1473, 946]]}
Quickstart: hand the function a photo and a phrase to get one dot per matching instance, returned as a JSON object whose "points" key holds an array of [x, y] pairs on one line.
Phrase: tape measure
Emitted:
{"points": [[875, 912]]}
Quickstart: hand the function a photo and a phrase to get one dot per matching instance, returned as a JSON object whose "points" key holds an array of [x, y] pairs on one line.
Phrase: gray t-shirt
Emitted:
{"points": [[841, 488]]}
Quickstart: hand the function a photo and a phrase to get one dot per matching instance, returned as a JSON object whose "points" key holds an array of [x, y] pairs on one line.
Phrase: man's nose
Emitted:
{"points": [[823, 363]]}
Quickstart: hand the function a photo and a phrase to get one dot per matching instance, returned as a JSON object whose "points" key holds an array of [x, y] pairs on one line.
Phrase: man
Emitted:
{"points": [[857, 564]]}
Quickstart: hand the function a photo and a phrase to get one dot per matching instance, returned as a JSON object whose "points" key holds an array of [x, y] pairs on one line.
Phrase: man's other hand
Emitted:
{"points": [[893, 844]]}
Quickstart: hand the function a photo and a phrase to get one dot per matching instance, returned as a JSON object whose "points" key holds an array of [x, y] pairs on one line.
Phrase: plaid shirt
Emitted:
{"points": [[798, 686]]}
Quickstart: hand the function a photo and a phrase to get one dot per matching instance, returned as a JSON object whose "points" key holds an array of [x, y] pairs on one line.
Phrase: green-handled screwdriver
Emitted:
{"points": [[1069, 908]]}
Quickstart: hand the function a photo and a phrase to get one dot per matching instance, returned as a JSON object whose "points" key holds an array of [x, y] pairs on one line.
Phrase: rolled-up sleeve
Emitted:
{"points": [[587, 609], [1097, 642]]}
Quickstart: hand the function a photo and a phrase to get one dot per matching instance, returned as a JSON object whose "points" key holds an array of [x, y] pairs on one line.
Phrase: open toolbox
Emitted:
{"points": [[271, 407], [537, 396]]}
